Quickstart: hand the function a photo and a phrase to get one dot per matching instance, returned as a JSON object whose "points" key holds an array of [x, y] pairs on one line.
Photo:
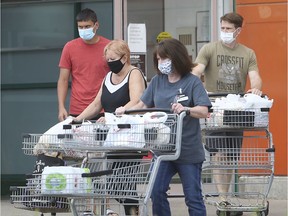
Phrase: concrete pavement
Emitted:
{"points": [[178, 207]]}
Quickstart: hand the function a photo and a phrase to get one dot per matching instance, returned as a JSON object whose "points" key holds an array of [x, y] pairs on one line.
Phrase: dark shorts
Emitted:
{"points": [[229, 143]]}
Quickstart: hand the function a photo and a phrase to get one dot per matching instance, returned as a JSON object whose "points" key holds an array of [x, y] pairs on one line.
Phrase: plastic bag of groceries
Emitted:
{"points": [[124, 131], [61, 138], [49, 138], [156, 132], [249, 103]]}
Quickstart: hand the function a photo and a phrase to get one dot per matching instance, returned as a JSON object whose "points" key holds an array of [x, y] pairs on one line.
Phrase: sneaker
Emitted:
{"points": [[87, 213], [110, 212]]}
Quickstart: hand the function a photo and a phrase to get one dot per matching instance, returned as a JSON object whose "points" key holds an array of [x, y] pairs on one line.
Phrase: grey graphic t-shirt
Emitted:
{"points": [[226, 69]]}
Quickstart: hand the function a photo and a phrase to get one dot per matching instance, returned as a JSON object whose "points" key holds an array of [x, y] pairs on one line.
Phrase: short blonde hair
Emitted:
{"points": [[120, 47]]}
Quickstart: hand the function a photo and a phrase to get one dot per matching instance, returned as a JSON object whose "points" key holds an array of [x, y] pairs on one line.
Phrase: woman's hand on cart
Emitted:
{"points": [[101, 120], [178, 108], [75, 121], [196, 111], [120, 110]]}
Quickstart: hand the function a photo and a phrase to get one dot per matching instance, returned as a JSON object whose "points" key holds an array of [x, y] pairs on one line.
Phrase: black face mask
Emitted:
{"points": [[116, 66]]}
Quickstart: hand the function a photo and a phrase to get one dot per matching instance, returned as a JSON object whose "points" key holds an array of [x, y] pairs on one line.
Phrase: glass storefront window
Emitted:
{"points": [[33, 35], [186, 20]]}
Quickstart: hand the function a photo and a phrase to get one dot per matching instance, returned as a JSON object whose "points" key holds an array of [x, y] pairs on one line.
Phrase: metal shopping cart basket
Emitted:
{"points": [[109, 178], [29, 197], [240, 150], [91, 137]]}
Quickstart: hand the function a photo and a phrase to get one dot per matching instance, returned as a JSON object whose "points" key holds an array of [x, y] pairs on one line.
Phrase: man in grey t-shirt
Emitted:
{"points": [[226, 64]]}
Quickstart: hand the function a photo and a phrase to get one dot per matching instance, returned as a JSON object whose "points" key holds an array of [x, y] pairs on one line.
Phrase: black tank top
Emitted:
{"points": [[114, 96]]}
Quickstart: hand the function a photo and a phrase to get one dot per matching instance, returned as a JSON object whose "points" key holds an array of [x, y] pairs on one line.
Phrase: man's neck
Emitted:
{"points": [[231, 45]]}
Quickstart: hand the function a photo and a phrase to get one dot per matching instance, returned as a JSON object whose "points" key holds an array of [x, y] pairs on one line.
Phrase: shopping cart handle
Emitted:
{"points": [[123, 126], [26, 135], [73, 122], [210, 109], [13, 188], [222, 94], [63, 136], [30, 176], [265, 109], [211, 150], [68, 126], [148, 110], [271, 149], [99, 173]]}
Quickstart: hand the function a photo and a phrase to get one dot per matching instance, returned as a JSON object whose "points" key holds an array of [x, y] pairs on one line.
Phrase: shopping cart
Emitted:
{"points": [[91, 137], [240, 147], [111, 177]]}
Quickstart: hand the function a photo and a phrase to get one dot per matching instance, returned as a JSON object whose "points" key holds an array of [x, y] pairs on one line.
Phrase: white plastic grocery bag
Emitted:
{"points": [[124, 131], [50, 138], [155, 130]]}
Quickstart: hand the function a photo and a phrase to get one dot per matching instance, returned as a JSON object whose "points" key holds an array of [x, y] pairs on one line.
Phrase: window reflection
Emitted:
{"points": [[186, 20]]}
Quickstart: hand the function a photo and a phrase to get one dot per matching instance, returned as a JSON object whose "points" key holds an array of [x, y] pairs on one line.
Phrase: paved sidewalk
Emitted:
{"points": [[178, 207]]}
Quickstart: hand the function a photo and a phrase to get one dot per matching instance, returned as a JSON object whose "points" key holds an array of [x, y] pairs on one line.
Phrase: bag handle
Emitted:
{"points": [[155, 117]]}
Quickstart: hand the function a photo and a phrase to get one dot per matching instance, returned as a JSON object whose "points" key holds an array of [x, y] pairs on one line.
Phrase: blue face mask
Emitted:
{"points": [[86, 34]]}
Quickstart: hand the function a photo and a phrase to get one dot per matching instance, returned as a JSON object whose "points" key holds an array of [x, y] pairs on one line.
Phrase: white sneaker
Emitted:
{"points": [[110, 212], [88, 213]]}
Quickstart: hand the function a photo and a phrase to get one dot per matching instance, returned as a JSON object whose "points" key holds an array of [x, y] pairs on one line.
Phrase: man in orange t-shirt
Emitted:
{"points": [[83, 61]]}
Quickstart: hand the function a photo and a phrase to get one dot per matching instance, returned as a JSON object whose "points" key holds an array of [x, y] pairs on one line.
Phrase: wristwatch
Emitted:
{"points": [[187, 110]]}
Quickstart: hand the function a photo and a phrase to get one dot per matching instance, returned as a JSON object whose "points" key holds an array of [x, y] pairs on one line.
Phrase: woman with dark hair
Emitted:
{"points": [[174, 78]]}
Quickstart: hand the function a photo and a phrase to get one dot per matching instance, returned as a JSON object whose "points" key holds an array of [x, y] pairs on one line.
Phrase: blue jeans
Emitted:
{"points": [[190, 175]]}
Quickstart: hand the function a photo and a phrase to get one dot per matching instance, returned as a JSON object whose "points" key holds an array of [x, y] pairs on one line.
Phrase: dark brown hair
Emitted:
{"points": [[233, 18], [86, 15], [175, 51]]}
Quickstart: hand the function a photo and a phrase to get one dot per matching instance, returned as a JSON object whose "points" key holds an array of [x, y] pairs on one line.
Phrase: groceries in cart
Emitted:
{"points": [[65, 180], [125, 131], [98, 183], [156, 132], [65, 137], [136, 131], [152, 130], [50, 138], [235, 110]]}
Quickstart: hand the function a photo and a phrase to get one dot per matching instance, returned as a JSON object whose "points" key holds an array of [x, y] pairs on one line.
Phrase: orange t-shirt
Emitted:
{"points": [[88, 68]]}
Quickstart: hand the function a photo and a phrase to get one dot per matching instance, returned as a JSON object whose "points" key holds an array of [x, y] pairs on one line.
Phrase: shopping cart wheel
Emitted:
{"points": [[267, 209], [222, 213], [265, 212]]}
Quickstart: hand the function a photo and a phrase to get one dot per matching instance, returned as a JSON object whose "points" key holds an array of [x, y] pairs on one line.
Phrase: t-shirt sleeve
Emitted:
{"points": [[200, 97], [253, 66], [65, 60], [148, 95], [203, 55]]}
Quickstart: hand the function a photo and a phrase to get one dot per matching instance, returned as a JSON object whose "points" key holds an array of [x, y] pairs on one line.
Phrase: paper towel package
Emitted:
{"points": [[65, 180]]}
